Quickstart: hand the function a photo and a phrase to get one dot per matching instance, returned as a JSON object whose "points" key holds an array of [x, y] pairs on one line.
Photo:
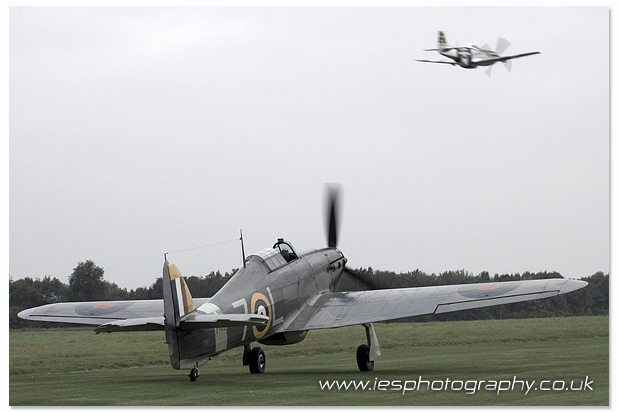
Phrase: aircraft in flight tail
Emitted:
{"points": [[277, 298], [473, 56]]}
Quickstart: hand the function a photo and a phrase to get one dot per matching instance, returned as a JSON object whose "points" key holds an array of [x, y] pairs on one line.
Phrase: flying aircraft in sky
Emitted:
{"points": [[473, 56], [277, 298]]}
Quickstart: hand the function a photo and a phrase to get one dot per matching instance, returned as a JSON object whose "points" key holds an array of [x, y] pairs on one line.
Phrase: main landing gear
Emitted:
{"points": [[362, 358], [367, 354], [255, 358]]}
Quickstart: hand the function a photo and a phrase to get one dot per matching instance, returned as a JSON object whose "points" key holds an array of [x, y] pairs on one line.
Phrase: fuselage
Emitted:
{"points": [[468, 57], [267, 285]]}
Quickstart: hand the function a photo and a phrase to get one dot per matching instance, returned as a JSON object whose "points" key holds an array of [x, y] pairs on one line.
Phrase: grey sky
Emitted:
{"points": [[139, 131]]}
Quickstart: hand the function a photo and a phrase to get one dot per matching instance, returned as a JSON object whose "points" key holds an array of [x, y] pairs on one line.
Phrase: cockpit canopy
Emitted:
{"points": [[286, 249], [279, 255]]}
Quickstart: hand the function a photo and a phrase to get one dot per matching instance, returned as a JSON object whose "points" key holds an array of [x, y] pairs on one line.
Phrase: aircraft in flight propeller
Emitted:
{"points": [[473, 56], [277, 297]]}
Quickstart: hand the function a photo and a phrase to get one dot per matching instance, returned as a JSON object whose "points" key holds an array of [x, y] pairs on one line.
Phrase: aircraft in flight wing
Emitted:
{"points": [[277, 298], [473, 56]]}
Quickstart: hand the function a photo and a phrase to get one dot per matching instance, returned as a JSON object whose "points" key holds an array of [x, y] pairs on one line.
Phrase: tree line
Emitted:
{"points": [[87, 283]]}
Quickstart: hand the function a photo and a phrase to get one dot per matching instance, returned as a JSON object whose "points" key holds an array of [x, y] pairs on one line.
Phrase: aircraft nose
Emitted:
{"points": [[571, 285]]}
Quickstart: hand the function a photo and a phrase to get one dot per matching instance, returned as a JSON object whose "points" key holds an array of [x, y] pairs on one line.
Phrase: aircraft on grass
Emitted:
{"points": [[472, 56], [277, 298]]}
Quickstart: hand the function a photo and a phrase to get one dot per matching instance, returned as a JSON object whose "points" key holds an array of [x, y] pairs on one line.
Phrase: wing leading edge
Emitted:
{"points": [[95, 313], [504, 58], [437, 61], [332, 310]]}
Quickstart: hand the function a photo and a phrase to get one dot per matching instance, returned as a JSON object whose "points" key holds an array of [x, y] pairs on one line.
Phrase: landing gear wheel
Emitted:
{"points": [[257, 360], [362, 359], [195, 372]]}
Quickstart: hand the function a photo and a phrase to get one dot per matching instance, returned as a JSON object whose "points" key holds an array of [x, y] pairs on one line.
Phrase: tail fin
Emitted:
{"points": [[183, 301], [442, 43], [177, 302]]}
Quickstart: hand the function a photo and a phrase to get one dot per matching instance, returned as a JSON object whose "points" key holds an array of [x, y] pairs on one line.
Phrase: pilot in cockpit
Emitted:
{"points": [[286, 250]]}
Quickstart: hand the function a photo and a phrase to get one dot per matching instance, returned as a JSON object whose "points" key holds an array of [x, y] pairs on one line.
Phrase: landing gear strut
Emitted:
{"points": [[367, 354], [194, 374]]}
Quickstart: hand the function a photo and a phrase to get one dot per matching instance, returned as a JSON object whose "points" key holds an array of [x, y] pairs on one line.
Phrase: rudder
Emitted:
{"points": [[442, 43], [177, 302]]}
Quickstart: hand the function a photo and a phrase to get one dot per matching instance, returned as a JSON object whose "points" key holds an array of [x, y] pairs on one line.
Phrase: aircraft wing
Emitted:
{"points": [[133, 315], [124, 312], [332, 310], [437, 61], [504, 58], [95, 313]]}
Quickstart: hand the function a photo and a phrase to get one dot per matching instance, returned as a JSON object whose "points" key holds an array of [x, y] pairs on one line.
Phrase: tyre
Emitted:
{"points": [[362, 359], [257, 360]]}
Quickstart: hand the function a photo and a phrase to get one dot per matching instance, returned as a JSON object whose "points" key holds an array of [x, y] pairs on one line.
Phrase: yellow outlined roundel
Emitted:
{"points": [[259, 304]]}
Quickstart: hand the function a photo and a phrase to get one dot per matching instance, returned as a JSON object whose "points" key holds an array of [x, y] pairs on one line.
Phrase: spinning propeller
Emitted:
{"points": [[501, 46], [332, 213], [355, 281]]}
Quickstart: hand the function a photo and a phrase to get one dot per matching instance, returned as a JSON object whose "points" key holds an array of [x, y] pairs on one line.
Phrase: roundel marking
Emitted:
{"points": [[104, 305], [494, 290], [101, 308], [260, 305]]}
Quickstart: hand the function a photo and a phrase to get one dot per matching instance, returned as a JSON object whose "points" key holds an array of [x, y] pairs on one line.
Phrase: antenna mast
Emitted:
{"points": [[242, 245]]}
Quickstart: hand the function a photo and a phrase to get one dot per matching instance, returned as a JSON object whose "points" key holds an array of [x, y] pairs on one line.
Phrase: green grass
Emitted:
{"points": [[77, 367]]}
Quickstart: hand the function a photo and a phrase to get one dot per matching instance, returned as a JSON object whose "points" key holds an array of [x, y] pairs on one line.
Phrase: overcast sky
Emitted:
{"points": [[139, 131]]}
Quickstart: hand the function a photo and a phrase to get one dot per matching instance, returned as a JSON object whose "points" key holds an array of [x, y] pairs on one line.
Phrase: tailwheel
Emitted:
{"points": [[194, 374], [362, 358], [257, 360]]}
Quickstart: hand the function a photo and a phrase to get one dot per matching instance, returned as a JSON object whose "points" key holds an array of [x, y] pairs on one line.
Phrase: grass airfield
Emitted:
{"points": [[76, 367]]}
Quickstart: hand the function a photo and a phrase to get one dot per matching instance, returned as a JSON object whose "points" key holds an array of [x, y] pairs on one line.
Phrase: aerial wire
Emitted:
{"points": [[202, 247]]}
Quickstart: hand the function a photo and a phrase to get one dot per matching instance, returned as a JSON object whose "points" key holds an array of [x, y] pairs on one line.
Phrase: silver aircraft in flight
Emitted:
{"points": [[278, 296], [473, 56]]}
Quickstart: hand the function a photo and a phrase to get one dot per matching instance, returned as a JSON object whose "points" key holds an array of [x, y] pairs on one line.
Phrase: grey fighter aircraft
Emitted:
{"points": [[277, 298], [473, 56]]}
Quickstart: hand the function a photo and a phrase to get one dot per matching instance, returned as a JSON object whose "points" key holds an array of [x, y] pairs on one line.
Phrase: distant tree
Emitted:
{"points": [[86, 282], [53, 290], [599, 292], [154, 291], [484, 277], [593, 299], [207, 286], [115, 292], [23, 294], [27, 293]]}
